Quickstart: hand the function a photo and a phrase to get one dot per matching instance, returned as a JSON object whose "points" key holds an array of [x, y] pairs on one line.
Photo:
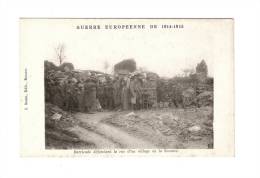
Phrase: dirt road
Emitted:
{"points": [[164, 128], [103, 135]]}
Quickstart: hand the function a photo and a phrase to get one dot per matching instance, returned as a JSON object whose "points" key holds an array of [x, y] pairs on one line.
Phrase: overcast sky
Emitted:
{"points": [[164, 51]]}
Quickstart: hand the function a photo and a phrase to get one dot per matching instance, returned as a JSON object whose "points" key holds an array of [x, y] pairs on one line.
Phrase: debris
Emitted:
{"points": [[208, 123], [176, 118], [205, 98], [167, 116], [194, 128], [56, 116], [195, 138], [170, 116], [131, 114]]}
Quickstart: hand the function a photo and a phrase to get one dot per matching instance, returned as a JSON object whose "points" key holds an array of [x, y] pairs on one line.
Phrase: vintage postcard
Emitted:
{"points": [[126, 87]]}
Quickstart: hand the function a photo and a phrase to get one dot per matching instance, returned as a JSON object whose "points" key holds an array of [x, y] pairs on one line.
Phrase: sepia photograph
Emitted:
{"points": [[128, 104]]}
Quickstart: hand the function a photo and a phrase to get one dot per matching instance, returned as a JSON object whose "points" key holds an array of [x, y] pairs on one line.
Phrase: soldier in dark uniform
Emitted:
{"points": [[116, 93], [105, 97], [90, 95], [69, 95], [125, 94], [57, 92], [138, 91], [80, 96], [109, 95]]}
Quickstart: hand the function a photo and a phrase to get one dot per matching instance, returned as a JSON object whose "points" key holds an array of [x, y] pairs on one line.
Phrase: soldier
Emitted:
{"points": [[105, 96], [89, 95], [80, 96], [69, 95], [132, 93], [58, 98], [108, 94], [125, 94], [138, 91], [116, 92]]}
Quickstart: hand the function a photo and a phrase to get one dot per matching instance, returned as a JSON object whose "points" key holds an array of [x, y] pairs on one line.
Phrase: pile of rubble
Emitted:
{"points": [[56, 116], [198, 131], [183, 92], [205, 98], [57, 133], [165, 126]]}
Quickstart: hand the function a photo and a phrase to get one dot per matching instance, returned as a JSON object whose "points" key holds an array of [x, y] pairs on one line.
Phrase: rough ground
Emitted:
{"points": [[103, 135], [164, 128], [168, 128]]}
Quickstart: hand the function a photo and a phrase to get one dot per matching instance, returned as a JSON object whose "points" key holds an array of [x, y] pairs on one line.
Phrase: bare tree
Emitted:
{"points": [[60, 53]]}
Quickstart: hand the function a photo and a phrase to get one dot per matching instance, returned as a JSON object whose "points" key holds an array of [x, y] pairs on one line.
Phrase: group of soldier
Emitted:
{"points": [[121, 93], [73, 93], [69, 92]]}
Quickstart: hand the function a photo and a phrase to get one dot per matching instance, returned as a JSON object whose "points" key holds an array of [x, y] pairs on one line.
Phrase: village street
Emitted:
{"points": [[103, 135], [163, 128]]}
